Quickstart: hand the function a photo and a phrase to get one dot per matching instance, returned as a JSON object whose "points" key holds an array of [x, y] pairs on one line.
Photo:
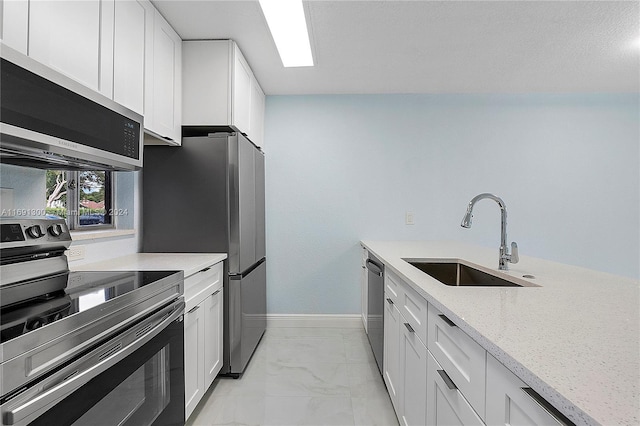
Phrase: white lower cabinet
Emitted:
{"points": [[193, 357], [404, 365], [391, 356], [511, 402], [213, 339], [203, 348], [413, 373], [445, 403], [437, 375], [202, 333]]}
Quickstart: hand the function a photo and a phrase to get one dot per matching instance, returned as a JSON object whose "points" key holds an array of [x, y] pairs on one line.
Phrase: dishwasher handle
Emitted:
{"points": [[374, 267]]}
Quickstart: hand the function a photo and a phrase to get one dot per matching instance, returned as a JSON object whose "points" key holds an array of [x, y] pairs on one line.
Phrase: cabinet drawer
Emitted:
{"points": [[446, 405], [461, 357], [201, 284], [509, 400], [413, 308], [393, 288]]}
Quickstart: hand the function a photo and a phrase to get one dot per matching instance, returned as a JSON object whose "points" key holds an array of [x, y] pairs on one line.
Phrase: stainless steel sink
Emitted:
{"points": [[454, 273]]}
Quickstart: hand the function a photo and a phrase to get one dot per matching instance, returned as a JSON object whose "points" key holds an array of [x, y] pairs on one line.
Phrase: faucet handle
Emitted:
{"points": [[513, 257]]}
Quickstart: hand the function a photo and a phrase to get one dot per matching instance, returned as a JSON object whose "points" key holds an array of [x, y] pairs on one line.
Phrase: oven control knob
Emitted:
{"points": [[56, 230], [36, 323], [35, 231]]}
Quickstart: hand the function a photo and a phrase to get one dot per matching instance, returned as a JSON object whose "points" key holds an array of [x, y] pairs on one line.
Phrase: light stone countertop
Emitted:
{"points": [[190, 263], [575, 340]]}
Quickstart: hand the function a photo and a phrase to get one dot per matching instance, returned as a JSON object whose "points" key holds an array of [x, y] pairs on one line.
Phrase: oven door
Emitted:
{"points": [[135, 378]]}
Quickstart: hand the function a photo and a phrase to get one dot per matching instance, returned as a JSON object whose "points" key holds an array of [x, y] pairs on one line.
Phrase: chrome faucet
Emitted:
{"points": [[505, 256]]}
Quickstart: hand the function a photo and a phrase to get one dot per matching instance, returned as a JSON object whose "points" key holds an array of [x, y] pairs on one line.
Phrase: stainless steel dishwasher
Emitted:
{"points": [[375, 305]]}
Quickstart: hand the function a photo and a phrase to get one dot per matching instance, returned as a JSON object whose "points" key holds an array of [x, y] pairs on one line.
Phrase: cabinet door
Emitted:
{"points": [[241, 93], [193, 358], [66, 36], [128, 54], [413, 377], [206, 82], [256, 133], [445, 403], [391, 357], [508, 403], [213, 337], [163, 82], [15, 24]]}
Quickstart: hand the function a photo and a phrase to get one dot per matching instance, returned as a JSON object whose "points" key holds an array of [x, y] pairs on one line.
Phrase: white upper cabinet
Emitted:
{"points": [[257, 114], [66, 36], [129, 34], [14, 24], [241, 92], [123, 49], [163, 82], [220, 89]]}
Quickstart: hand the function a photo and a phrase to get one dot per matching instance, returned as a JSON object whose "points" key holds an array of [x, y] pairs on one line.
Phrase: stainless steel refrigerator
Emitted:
{"points": [[207, 196]]}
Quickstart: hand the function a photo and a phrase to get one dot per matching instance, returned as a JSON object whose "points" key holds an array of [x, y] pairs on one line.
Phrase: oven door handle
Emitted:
{"points": [[144, 332]]}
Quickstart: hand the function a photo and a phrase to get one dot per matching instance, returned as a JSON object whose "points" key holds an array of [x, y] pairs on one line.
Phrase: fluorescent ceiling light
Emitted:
{"points": [[289, 31]]}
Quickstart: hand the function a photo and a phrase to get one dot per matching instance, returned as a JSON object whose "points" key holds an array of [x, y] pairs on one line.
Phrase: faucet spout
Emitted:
{"points": [[505, 256]]}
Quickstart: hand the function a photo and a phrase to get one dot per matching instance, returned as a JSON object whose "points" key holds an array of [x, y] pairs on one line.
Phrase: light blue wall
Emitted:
{"points": [[347, 167]]}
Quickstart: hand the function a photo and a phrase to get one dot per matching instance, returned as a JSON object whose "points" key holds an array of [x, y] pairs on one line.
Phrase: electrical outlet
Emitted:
{"points": [[75, 253], [408, 218]]}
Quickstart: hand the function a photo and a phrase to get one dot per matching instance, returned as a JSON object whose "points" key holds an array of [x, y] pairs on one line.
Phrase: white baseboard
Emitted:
{"points": [[314, 320]]}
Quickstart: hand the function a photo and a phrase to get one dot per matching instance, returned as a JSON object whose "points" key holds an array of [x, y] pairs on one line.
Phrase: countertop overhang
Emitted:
{"points": [[575, 339]]}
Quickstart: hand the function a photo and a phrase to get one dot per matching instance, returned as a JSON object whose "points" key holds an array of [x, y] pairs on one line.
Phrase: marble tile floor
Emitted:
{"points": [[302, 376]]}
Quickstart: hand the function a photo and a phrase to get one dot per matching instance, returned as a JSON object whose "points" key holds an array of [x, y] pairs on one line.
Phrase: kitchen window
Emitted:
{"points": [[83, 198]]}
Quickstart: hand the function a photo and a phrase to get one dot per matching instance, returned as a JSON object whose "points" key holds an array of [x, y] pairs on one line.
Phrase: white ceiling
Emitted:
{"points": [[434, 46]]}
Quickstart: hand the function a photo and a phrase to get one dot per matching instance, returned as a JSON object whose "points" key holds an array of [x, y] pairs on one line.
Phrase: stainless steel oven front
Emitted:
{"points": [[134, 378]]}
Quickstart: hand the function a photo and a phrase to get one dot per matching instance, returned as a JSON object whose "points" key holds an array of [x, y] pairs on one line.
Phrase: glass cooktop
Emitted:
{"points": [[33, 304]]}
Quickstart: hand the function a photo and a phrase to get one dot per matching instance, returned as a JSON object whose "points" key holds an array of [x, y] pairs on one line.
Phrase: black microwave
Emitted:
{"points": [[48, 120]]}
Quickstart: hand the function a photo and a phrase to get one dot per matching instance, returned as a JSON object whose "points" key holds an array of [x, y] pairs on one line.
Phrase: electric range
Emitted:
{"points": [[61, 330]]}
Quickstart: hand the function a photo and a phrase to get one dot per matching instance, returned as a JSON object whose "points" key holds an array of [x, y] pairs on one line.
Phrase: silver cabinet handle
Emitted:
{"points": [[215, 292], [389, 301], [550, 409], [447, 380], [447, 320], [192, 310], [205, 269], [411, 330]]}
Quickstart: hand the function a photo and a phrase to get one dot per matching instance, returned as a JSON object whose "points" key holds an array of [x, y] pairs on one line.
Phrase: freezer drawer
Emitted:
{"points": [[247, 316]]}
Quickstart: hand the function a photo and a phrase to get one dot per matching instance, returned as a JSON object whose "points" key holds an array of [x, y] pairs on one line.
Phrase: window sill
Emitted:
{"points": [[93, 235]]}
